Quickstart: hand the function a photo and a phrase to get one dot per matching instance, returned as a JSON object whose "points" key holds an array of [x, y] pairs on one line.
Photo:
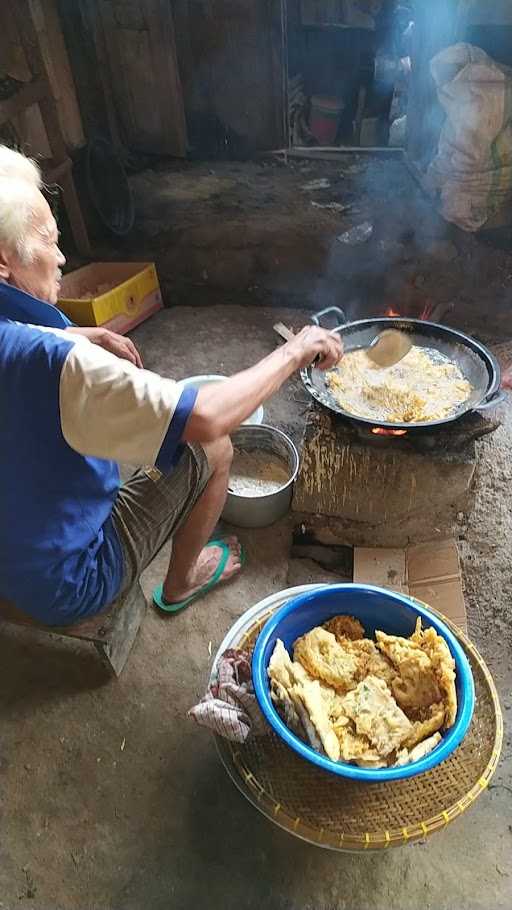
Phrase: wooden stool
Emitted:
{"points": [[112, 632]]}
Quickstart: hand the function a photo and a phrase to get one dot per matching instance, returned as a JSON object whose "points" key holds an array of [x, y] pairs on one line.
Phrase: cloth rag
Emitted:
{"points": [[229, 707]]}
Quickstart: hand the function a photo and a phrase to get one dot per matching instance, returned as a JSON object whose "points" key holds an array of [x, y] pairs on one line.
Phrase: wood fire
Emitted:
{"points": [[424, 314], [384, 431]]}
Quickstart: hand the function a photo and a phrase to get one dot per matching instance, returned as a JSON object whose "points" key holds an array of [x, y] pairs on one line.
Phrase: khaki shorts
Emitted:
{"points": [[151, 507]]}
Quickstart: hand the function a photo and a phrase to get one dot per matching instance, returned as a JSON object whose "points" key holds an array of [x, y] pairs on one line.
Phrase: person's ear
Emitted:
{"points": [[5, 270]]}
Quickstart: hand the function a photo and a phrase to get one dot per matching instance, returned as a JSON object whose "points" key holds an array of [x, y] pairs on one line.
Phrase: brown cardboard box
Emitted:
{"points": [[428, 571]]}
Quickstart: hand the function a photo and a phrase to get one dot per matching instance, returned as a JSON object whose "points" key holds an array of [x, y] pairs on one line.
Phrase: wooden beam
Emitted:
{"points": [[22, 12], [30, 94], [279, 62], [333, 153], [56, 60]]}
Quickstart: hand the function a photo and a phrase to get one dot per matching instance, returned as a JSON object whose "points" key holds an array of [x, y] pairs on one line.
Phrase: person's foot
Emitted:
{"points": [[204, 570]]}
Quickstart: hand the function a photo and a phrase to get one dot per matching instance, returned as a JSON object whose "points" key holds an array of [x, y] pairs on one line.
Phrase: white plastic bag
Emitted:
{"points": [[398, 132], [472, 170]]}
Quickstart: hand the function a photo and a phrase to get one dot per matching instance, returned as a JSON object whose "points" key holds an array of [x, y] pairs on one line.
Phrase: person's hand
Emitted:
{"points": [[313, 342], [506, 379], [117, 344]]}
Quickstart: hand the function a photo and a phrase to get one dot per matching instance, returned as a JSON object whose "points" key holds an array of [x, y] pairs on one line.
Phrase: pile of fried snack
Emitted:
{"points": [[376, 703]]}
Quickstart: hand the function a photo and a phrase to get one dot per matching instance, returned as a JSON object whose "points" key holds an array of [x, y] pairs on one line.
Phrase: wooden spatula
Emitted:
{"points": [[387, 348]]}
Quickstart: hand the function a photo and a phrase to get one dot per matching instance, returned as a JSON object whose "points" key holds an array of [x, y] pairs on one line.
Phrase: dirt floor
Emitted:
{"points": [[110, 798], [256, 233]]}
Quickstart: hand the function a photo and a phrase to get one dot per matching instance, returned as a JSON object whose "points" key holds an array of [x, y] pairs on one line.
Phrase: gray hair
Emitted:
{"points": [[20, 178]]}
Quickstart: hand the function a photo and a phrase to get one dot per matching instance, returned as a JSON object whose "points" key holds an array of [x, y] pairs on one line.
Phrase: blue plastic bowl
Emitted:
{"points": [[376, 608]]}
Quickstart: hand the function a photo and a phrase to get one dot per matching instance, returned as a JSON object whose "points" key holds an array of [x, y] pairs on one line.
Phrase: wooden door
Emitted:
{"points": [[140, 45], [232, 66]]}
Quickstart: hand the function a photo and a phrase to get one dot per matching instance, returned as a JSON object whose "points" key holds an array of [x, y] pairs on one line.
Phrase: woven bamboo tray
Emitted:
{"points": [[341, 814]]}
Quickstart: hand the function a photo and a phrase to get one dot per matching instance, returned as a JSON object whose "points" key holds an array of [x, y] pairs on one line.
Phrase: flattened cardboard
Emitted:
{"points": [[428, 571]]}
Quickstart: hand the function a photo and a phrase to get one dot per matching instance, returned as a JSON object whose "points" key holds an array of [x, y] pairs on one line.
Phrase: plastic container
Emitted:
{"points": [[376, 608], [325, 118], [255, 419]]}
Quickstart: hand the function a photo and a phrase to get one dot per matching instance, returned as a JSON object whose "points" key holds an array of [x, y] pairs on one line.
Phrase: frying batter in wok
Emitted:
{"points": [[426, 385]]}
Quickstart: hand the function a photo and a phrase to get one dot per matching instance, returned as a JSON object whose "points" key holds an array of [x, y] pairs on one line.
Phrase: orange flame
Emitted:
{"points": [[383, 431], [425, 314]]}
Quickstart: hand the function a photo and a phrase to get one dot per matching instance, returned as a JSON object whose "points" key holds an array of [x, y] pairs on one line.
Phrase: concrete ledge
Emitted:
{"points": [[347, 479]]}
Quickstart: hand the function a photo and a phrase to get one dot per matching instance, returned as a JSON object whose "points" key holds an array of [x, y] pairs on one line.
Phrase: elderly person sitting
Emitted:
{"points": [[74, 402]]}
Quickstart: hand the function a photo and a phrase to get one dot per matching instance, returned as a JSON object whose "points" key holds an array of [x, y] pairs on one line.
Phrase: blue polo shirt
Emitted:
{"points": [[70, 411]]}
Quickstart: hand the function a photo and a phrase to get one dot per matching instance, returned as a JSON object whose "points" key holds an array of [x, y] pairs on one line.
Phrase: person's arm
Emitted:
{"points": [[110, 409], [110, 341], [221, 407]]}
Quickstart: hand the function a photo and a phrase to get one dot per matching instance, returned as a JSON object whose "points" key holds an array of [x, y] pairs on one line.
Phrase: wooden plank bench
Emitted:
{"points": [[112, 633]]}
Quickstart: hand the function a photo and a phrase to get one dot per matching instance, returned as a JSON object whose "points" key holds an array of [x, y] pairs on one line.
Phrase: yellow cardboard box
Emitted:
{"points": [[117, 295]]}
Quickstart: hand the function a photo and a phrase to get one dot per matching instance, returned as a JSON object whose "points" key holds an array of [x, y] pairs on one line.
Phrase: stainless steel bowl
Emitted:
{"points": [[260, 511]]}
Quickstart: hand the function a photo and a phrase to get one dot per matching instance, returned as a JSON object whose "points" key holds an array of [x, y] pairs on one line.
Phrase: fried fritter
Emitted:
{"points": [[372, 703], [415, 685], [325, 659], [371, 763], [405, 757], [431, 723], [307, 723], [282, 678], [400, 650], [309, 693], [371, 661], [354, 746], [377, 716], [280, 667], [306, 704], [287, 709], [444, 668], [345, 627]]}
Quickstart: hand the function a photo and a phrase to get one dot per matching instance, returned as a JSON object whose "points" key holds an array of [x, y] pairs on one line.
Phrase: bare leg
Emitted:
{"points": [[191, 565]]}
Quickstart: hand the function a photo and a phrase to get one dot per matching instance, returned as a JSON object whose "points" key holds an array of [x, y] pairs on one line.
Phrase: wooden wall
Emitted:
{"points": [[229, 54], [322, 12], [336, 12]]}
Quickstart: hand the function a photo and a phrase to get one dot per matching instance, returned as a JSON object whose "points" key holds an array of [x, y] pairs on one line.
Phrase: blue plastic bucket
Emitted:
{"points": [[375, 608]]}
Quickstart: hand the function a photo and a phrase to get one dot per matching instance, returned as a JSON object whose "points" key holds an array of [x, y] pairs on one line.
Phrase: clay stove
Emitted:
{"points": [[366, 476], [409, 484]]}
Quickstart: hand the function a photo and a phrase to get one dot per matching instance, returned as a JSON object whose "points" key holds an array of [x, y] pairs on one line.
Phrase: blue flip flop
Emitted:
{"points": [[158, 596]]}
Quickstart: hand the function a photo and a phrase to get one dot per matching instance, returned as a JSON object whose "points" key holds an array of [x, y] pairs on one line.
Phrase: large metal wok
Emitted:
{"points": [[477, 364]]}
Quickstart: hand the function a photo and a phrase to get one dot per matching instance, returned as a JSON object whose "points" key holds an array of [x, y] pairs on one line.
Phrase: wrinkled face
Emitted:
{"points": [[38, 270]]}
